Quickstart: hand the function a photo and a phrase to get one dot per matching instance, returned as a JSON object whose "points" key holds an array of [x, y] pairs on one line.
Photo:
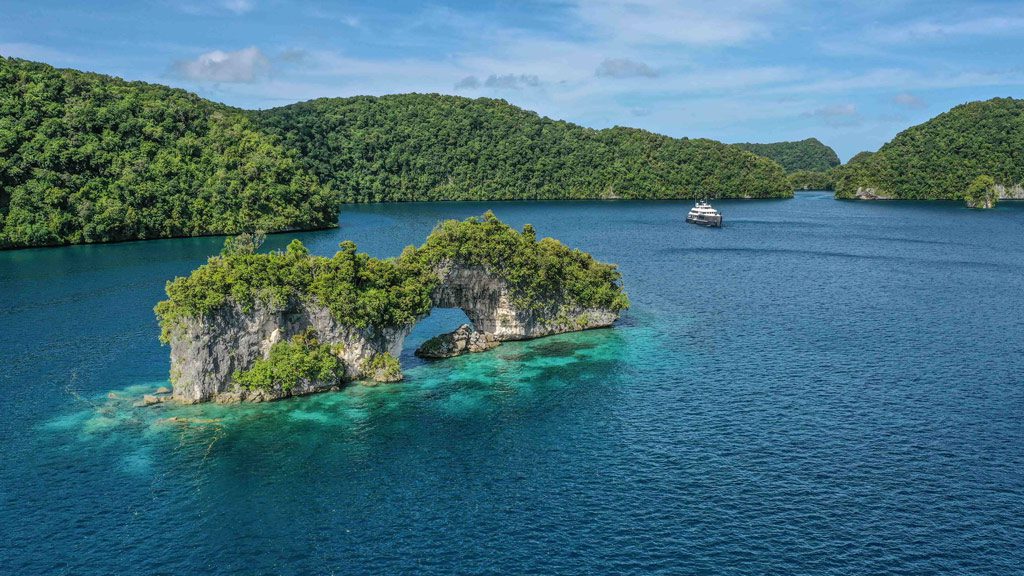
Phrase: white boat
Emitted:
{"points": [[702, 213]]}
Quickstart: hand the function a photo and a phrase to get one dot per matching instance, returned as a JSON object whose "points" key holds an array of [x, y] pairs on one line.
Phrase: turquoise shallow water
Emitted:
{"points": [[819, 387]]}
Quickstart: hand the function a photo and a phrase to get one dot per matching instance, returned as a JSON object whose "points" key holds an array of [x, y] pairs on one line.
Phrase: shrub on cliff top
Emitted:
{"points": [[538, 271], [360, 291]]}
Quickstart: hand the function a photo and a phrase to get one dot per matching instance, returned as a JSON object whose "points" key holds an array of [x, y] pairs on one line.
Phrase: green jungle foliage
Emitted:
{"points": [[383, 367], [92, 158], [982, 192], [303, 358], [539, 272], [808, 180], [806, 155], [365, 292], [940, 158], [860, 157], [360, 291], [431, 147]]}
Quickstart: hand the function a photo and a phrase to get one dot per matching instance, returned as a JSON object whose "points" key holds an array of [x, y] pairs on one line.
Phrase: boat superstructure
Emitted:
{"points": [[703, 214]]}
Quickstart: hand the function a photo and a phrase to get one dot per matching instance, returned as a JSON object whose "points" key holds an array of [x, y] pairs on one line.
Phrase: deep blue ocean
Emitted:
{"points": [[819, 387]]}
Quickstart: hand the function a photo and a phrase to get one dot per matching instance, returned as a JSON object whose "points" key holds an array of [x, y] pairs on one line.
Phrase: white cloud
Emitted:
{"points": [[245, 65], [927, 30], [237, 6], [834, 111], [899, 79], [205, 7], [512, 81], [695, 22], [624, 68], [836, 115], [908, 100], [470, 82]]}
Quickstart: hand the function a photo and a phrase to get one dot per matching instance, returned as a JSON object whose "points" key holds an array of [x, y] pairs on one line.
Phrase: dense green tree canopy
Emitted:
{"points": [[434, 147], [91, 158], [807, 155], [359, 290], [810, 180], [362, 291], [291, 362], [537, 271], [860, 156], [942, 157]]}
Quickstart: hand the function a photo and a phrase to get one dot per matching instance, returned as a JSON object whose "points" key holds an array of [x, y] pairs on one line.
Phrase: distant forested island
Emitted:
{"points": [[91, 158], [953, 156], [808, 155], [411, 147], [809, 164]]}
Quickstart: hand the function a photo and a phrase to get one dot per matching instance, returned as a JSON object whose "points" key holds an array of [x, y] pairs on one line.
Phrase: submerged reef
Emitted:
{"points": [[250, 326]]}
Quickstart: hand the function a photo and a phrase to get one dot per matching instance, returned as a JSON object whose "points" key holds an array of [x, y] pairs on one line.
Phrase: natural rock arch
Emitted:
{"points": [[206, 351], [254, 326]]}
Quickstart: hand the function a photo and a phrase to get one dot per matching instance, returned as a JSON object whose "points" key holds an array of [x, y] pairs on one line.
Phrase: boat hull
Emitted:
{"points": [[711, 222]]}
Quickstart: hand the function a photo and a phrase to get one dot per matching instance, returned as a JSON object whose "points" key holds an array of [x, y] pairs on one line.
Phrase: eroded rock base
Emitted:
{"points": [[464, 340]]}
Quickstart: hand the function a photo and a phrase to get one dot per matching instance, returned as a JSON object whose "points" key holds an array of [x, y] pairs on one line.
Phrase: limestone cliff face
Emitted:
{"points": [[206, 351], [488, 302], [1015, 192], [868, 193]]}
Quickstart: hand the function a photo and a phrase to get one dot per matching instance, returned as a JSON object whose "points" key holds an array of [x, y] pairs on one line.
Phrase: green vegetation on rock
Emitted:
{"points": [[537, 271], [860, 157], [289, 362], [383, 368], [807, 180], [808, 155], [92, 158], [982, 193], [942, 157], [433, 147], [360, 291]]}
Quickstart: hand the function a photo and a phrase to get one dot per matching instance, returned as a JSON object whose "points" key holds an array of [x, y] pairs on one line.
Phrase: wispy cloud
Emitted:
{"points": [[908, 100], [293, 56], [345, 18], [469, 82], [205, 8], [245, 65], [512, 81], [929, 30], [835, 110], [35, 52], [836, 114], [624, 68], [237, 6], [694, 22]]}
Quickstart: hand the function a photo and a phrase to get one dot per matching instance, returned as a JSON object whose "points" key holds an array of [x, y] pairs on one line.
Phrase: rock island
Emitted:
{"points": [[250, 326]]}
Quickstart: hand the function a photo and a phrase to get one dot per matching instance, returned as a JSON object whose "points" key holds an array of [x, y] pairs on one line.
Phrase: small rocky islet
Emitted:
{"points": [[251, 327]]}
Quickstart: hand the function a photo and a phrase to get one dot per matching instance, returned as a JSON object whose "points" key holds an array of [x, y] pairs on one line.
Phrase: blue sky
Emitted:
{"points": [[852, 74]]}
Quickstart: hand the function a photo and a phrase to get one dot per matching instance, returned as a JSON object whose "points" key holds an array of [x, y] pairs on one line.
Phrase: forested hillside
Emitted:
{"points": [[91, 158], [812, 180], [806, 155], [942, 157], [433, 147]]}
